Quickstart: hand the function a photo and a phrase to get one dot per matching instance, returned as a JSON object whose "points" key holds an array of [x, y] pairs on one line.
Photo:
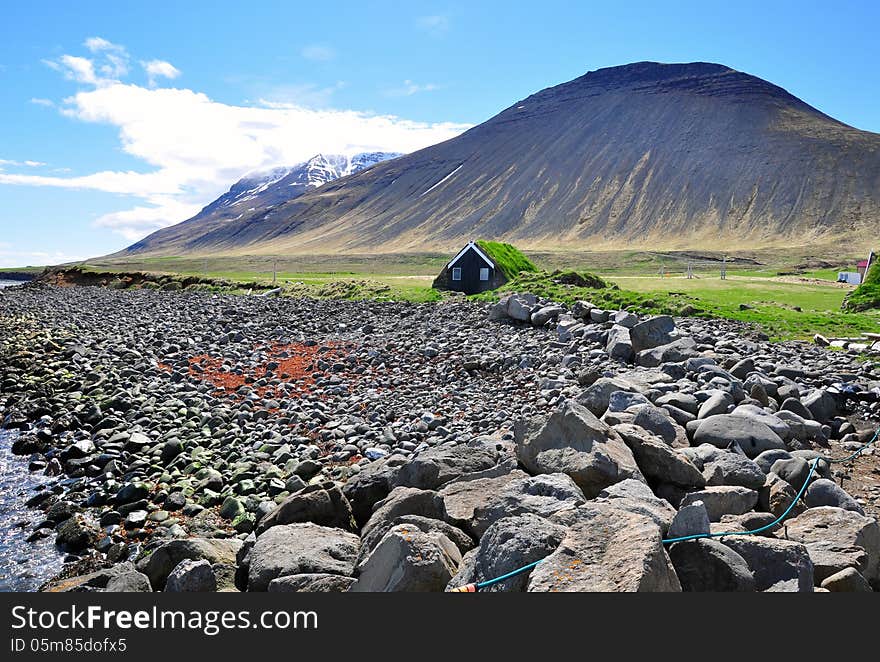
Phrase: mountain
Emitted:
{"points": [[257, 193], [643, 155]]}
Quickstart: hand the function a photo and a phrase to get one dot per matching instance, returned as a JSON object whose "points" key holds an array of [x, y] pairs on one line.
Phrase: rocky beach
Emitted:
{"points": [[194, 441]]}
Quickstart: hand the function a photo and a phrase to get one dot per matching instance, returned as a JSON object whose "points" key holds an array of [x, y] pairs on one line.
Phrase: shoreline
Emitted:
{"points": [[210, 422]]}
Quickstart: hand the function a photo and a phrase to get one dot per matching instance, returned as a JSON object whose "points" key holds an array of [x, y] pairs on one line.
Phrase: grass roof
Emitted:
{"points": [[509, 259], [866, 295]]}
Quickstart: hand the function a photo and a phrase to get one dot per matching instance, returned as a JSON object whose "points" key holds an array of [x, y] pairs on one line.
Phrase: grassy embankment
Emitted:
{"points": [[788, 294]]}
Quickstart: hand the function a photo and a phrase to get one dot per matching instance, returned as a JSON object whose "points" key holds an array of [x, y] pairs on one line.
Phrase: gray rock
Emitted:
{"points": [[320, 504], [794, 471], [597, 396], [824, 492], [462, 498], [691, 519], [751, 436], [429, 525], [675, 352], [766, 459], [656, 421], [510, 543], [129, 582], [722, 500], [542, 495], [311, 583], [708, 565], [435, 466], [574, 442], [831, 534], [822, 405], [606, 549], [652, 332], [684, 401], [733, 469], [407, 559], [401, 501], [657, 460], [191, 576], [848, 580], [772, 561], [296, 549], [158, 565], [718, 403], [623, 400], [619, 346]]}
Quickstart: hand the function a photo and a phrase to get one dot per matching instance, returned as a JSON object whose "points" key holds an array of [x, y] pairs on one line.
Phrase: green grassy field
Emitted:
{"points": [[787, 293]]}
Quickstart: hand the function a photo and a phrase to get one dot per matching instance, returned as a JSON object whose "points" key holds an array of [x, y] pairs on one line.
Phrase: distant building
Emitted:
{"points": [[481, 266]]}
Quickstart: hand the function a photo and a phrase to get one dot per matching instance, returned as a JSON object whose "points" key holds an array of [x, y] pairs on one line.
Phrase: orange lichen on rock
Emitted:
{"points": [[293, 364]]}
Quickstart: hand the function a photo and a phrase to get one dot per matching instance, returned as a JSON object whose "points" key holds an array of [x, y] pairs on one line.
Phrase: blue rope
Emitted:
{"points": [[697, 536], [514, 573]]}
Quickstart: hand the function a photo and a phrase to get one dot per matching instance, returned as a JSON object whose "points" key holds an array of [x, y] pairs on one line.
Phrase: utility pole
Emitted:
{"points": [[205, 268], [724, 268], [274, 270], [690, 270]]}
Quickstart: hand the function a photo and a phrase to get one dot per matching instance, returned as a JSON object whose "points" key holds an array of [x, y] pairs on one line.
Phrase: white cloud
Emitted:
{"points": [[19, 164], [10, 257], [436, 24], [318, 53], [80, 69], [193, 147], [409, 88], [38, 101], [159, 69]]}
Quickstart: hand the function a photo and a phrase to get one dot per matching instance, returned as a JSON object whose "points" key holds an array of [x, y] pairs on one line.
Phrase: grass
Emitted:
{"points": [[509, 259], [867, 295], [754, 280]]}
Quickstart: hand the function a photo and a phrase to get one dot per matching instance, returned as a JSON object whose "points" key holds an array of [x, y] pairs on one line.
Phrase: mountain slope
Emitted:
{"points": [[659, 155], [258, 193]]}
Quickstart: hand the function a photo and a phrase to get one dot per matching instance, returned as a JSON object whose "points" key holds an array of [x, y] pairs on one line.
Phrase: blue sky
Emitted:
{"points": [[121, 117]]}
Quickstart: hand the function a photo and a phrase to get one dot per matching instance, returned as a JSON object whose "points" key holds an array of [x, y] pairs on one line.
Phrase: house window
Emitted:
{"points": [[456, 273], [484, 273]]}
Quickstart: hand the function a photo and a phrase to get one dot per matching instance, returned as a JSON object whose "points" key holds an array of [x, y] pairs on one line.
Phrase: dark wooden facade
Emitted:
{"points": [[471, 260]]}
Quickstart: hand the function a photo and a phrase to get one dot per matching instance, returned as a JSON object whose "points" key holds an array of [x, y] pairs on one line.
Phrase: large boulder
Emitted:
{"points": [[834, 536], [597, 396], [848, 580], [320, 504], [573, 441], [636, 497], [752, 436], [158, 565], [822, 405], [542, 495], [773, 562], [652, 332], [122, 577], [400, 501], [510, 543], [462, 497], [824, 492], [657, 460], [707, 565], [438, 465], [407, 559], [619, 346], [606, 549], [674, 352], [129, 582], [370, 485], [312, 582], [191, 576], [295, 549], [733, 469], [723, 500]]}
